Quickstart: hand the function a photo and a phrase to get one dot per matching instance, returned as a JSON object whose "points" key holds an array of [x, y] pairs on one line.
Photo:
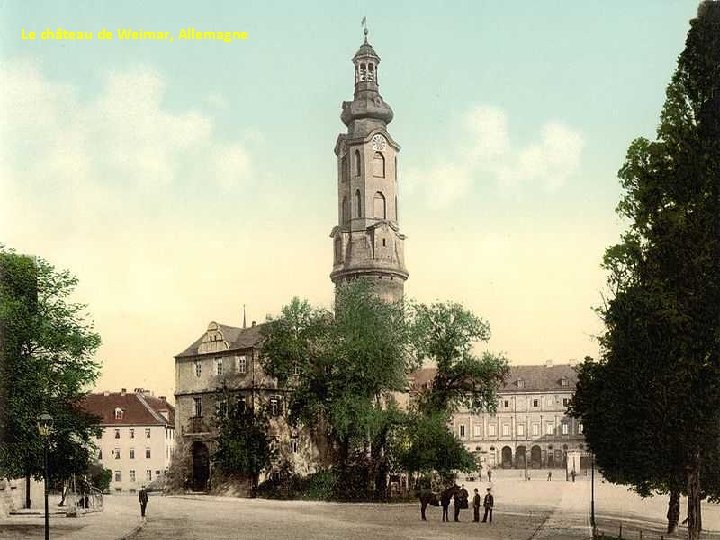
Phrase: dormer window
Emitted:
{"points": [[564, 382], [118, 413], [520, 383]]}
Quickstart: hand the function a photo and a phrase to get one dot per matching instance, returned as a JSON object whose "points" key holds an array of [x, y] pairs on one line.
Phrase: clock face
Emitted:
{"points": [[378, 142]]}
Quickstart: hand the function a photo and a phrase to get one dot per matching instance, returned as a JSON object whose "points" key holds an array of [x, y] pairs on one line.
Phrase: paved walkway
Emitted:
{"points": [[120, 518]]}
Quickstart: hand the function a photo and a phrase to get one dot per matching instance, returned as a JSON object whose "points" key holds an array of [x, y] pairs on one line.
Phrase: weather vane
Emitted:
{"points": [[365, 30]]}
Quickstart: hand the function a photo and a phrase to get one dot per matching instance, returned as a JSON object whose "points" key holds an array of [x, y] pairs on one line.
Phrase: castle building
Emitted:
{"points": [[367, 242], [138, 436], [530, 428]]}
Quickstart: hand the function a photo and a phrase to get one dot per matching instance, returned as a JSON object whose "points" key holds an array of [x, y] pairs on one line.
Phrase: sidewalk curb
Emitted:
{"points": [[136, 530]]}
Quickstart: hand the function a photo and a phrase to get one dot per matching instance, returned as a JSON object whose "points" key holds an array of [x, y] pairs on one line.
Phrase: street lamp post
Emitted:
{"points": [[592, 493], [44, 424]]}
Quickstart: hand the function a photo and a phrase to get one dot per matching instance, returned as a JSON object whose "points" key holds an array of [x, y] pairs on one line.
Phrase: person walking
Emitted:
{"points": [[476, 506], [549, 478], [143, 498], [488, 503], [489, 475]]}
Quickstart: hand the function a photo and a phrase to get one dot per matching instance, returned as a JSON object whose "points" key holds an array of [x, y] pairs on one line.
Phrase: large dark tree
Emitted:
{"points": [[48, 365], [656, 390]]}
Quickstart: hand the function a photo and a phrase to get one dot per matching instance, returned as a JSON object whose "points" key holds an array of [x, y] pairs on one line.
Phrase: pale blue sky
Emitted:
{"points": [[181, 180]]}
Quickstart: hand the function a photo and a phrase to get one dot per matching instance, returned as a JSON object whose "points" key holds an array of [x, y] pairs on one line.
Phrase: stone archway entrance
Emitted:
{"points": [[536, 457], [200, 466], [520, 457], [506, 457]]}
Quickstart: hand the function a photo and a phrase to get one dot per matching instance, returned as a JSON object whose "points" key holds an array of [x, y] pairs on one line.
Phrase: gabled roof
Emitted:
{"points": [[536, 378], [137, 409], [236, 338]]}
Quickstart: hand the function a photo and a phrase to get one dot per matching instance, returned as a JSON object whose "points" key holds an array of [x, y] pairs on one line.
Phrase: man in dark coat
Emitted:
{"points": [[460, 501], [488, 504], [143, 498], [476, 506]]}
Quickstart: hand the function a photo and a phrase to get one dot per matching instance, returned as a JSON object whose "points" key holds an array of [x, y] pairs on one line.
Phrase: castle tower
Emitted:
{"points": [[367, 241]]}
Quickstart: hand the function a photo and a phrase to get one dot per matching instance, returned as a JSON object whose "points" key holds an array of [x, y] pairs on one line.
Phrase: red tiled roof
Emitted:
{"points": [[537, 378], [138, 409]]}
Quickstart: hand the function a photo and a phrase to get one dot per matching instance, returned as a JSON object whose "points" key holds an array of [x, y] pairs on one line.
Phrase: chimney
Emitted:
{"points": [[123, 391], [549, 363], [244, 318], [253, 323]]}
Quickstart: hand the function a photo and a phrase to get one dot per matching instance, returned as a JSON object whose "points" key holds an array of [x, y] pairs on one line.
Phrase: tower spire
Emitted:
{"points": [[365, 29]]}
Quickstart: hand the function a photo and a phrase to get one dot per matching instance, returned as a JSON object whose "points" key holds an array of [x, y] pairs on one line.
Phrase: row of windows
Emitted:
{"points": [[274, 403], [378, 165], [148, 475], [535, 402], [379, 210], [131, 433], [238, 364], [519, 428], [116, 453]]}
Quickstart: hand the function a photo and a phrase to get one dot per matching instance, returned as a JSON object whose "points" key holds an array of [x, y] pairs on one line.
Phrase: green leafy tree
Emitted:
{"points": [[444, 334], [48, 348], [245, 446], [662, 340]]}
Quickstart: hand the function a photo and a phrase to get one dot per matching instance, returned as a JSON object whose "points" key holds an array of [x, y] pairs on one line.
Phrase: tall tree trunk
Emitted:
{"points": [[673, 514], [28, 502], [693, 495]]}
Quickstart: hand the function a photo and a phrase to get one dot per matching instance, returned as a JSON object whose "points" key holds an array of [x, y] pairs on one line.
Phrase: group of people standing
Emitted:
{"points": [[459, 498]]}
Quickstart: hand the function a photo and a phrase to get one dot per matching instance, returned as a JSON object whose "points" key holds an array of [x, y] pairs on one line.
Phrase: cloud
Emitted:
{"points": [[548, 162]]}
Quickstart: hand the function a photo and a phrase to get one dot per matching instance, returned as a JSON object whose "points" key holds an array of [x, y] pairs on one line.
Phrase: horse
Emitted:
{"points": [[427, 497]]}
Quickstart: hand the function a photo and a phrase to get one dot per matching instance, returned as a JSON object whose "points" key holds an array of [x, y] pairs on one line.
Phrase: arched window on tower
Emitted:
{"points": [[379, 206], [358, 166], [344, 214], [338, 250], [344, 169], [371, 72], [358, 204], [363, 72], [378, 165]]}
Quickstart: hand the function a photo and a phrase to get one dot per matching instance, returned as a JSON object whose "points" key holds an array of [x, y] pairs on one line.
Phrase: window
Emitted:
{"points": [[506, 403], [491, 430], [148, 475], [116, 453], [520, 383], [521, 430], [218, 366], [536, 403], [147, 453], [378, 165], [275, 406], [536, 430], [477, 430], [580, 428], [294, 445], [564, 429], [549, 429], [358, 204], [147, 432], [344, 214], [197, 407], [132, 453], [506, 430], [117, 433], [462, 431], [358, 166], [198, 368], [132, 433], [564, 382], [118, 476], [222, 408], [379, 210], [132, 475], [118, 413], [241, 364], [566, 402]]}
